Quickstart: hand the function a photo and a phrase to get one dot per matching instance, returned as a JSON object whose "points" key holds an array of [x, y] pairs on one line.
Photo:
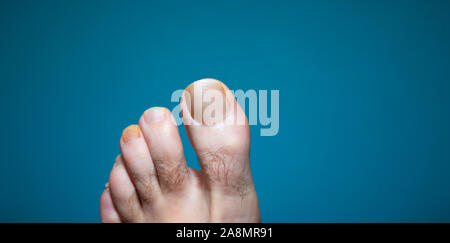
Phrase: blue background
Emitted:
{"points": [[364, 100]]}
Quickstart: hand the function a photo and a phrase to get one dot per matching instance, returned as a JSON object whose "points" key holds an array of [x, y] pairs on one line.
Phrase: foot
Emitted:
{"points": [[151, 182]]}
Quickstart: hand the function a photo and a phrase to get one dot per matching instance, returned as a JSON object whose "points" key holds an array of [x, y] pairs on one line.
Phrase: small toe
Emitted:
{"points": [[108, 213], [124, 194], [166, 149]]}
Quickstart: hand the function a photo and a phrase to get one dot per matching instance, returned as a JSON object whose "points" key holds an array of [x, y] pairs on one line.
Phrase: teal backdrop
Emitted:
{"points": [[364, 100]]}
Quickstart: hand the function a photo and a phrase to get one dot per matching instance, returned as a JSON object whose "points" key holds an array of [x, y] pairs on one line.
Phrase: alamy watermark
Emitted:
{"points": [[254, 103]]}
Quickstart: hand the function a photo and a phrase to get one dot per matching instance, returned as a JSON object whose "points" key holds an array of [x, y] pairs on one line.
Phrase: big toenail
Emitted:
{"points": [[154, 114], [207, 101], [130, 133]]}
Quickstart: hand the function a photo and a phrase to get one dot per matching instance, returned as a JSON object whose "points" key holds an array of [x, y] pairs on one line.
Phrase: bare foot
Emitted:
{"points": [[151, 182]]}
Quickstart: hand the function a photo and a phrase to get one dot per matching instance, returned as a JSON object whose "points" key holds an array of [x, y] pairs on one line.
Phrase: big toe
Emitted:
{"points": [[218, 130]]}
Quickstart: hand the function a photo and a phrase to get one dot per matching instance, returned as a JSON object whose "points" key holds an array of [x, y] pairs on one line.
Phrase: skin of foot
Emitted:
{"points": [[151, 182]]}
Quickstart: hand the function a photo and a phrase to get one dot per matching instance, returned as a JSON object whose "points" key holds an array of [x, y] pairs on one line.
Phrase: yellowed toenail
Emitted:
{"points": [[130, 133], [107, 186]]}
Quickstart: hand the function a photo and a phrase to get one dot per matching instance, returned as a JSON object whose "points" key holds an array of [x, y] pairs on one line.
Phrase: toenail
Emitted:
{"points": [[207, 101], [130, 133], [154, 114]]}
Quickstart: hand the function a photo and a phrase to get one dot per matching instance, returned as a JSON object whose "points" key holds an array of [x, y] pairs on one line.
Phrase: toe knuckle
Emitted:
{"points": [[177, 175], [217, 165], [146, 188], [226, 169], [174, 174]]}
